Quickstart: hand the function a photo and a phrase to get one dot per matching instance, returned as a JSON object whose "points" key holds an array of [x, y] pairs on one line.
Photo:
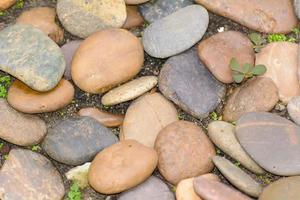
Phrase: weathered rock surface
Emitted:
{"points": [[134, 19]]}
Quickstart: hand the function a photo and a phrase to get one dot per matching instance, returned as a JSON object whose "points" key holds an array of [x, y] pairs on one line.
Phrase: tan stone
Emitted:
{"points": [[79, 175], [134, 19], [4, 4], [135, 1]]}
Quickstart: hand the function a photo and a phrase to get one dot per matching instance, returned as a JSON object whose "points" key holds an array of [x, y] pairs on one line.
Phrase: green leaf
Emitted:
{"points": [[259, 70], [256, 38], [238, 78], [246, 68], [234, 65]]}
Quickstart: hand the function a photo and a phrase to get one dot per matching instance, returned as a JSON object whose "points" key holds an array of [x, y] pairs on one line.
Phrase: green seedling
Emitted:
{"points": [[277, 38], [5, 157], [5, 82], [258, 41], [1, 145], [213, 116], [74, 193], [19, 4], [35, 148]]}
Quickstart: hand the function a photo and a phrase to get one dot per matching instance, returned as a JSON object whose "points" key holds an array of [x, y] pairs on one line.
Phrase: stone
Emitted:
{"points": [[264, 134], [257, 94], [68, 51], [134, 19], [41, 72], [152, 189], [5, 4], [293, 108], [156, 9], [79, 175], [134, 2], [222, 134], [83, 18], [297, 8], [281, 60], [283, 189], [120, 53], [238, 177], [104, 118], [146, 116], [217, 51], [27, 100], [43, 18], [268, 16], [29, 175], [185, 81], [129, 90], [121, 166], [18, 128], [184, 151], [75, 141], [162, 39]]}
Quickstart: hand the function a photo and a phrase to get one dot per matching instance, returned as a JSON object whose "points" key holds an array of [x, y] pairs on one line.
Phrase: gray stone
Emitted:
{"points": [[176, 33], [297, 7], [293, 108], [188, 83], [77, 140], [29, 55]]}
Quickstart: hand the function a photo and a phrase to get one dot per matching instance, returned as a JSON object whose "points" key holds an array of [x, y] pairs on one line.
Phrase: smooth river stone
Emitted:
{"points": [[257, 94], [97, 68], [222, 134], [152, 189], [83, 18], [283, 189], [129, 91], [187, 82], [4, 4], [146, 116], [26, 100], [264, 135], [134, 19], [162, 39], [217, 51], [134, 2], [157, 9], [28, 175], [122, 166], [293, 108], [238, 177], [184, 151], [281, 60], [268, 16], [18, 128], [41, 72], [77, 140]]}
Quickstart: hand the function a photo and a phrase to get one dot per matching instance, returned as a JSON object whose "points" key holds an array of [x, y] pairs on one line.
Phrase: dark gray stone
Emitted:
{"points": [[187, 82], [77, 140], [29, 55]]}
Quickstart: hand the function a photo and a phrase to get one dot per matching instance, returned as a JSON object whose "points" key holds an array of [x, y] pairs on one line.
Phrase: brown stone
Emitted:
{"points": [[97, 68], [184, 151], [217, 51], [121, 166], [134, 2], [134, 19], [4, 4], [27, 100]]}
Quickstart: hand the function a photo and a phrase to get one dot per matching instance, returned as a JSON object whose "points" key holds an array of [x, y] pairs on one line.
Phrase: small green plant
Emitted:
{"points": [[237, 164], [240, 73], [74, 193], [258, 41], [3, 13], [277, 38], [5, 157], [19, 4], [5, 82], [35, 148], [213, 116], [1, 145]]}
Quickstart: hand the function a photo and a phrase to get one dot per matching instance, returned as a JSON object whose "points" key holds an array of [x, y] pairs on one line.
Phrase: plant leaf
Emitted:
{"points": [[256, 38], [234, 65], [238, 78], [259, 70], [246, 68]]}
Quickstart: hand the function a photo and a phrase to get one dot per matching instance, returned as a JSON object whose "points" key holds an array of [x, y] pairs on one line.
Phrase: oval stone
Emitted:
{"points": [[134, 19], [162, 39], [4, 4], [293, 108]]}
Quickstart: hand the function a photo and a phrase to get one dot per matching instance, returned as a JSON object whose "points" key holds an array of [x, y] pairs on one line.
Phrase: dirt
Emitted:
{"points": [[152, 66]]}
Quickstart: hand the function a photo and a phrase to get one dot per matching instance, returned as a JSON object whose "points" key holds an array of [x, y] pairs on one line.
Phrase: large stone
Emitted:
{"points": [[162, 39], [97, 69], [4, 4], [184, 151], [217, 51], [264, 135], [77, 140], [146, 117], [83, 18], [36, 60], [18, 128], [268, 16], [121, 166], [184, 80], [28, 175], [257, 94], [134, 19], [293, 108]]}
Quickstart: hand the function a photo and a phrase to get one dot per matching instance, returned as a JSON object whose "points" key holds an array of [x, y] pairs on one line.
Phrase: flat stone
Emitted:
{"points": [[26, 100], [264, 135], [268, 16], [162, 39], [121, 166], [5, 4], [156, 9], [257, 94], [293, 108], [129, 90], [134, 2], [120, 53], [29, 175], [77, 140], [146, 116], [83, 18], [79, 175], [184, 151], [41, 72], [152, 189], [283, 189], [134, 19], [187, 82], [217, 51], [18, 128], [222, 134]]}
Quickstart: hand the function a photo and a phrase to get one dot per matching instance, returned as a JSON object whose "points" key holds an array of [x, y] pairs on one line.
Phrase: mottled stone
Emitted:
{"points": [[134, 19], [4, 4], [293, 108], [79, 175]]}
